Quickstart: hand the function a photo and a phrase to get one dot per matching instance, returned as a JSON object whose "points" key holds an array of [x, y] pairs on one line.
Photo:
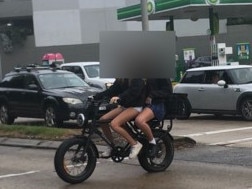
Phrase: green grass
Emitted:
{"points": [[36, 132]]}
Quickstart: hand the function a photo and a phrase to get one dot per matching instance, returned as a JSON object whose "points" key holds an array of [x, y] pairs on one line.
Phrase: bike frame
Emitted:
{"points": [[91, 128]]}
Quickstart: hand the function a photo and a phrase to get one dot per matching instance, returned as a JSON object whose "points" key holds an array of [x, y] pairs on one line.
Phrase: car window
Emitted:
{"points": [[208, 58], [227, 77], [68, 68], [92, 70], [242, 75], [30, 79], [78, 71], [75, 69], [193, 77], [61, 80], [14, 81], [213, 76]]}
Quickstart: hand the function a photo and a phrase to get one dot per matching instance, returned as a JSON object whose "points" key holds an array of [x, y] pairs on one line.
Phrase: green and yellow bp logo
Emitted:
{"points": [[212, 2], [151, 6]]}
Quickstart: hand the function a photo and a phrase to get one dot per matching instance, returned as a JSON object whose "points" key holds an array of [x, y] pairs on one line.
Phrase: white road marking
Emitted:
{"points": [[18, 174], [217, 132], [232, 141]]}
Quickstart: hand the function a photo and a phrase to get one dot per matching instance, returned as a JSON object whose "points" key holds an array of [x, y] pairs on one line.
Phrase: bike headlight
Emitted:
{"points": [[80, 119], [72, 100], [108, 85]]}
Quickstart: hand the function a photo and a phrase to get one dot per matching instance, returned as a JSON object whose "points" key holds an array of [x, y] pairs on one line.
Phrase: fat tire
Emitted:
{"points": [[59, 161], [148, 163]]}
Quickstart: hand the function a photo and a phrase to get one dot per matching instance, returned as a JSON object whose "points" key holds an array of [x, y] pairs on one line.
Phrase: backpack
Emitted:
{"points": [[177, 106]]}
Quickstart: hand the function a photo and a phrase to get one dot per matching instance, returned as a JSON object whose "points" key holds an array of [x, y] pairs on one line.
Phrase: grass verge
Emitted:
{"points": [[36, 132]]}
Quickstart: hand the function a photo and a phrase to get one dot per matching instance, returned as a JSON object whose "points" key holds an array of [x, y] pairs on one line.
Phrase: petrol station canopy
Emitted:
{"points": [[189, 9]]}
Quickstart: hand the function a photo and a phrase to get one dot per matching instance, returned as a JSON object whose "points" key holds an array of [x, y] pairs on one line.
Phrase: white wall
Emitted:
{"points": [[64, 22]]}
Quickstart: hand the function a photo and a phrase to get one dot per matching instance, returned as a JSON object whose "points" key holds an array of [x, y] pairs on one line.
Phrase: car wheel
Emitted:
{"points": [[246, 109], [184, 108], [5, 117], [50, 117]]}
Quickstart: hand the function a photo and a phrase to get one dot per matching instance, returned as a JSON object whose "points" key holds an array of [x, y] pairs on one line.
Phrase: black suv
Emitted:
{"points": [[55, 95]]}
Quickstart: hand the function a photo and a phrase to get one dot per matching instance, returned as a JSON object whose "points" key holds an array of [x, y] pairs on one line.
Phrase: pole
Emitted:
{"points": [[1, 73], [145, 19], [214, 53]]}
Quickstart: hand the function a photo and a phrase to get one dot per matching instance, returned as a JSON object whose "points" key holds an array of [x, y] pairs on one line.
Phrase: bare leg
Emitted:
{"points": [[118, 123], [141, 122], [109, 116]]}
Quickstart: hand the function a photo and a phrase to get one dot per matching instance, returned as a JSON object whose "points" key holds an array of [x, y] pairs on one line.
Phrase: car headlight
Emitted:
{"points": [[72, 100]]}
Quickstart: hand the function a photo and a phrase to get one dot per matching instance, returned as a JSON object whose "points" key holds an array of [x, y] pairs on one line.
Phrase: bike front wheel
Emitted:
{"points": [[72, 162], [164, 156]]}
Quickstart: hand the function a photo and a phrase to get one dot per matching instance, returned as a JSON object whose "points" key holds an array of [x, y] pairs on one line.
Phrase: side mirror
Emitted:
{"points": [[222, 83]]}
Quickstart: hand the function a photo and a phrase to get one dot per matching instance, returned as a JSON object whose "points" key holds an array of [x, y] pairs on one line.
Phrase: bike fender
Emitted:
{"points": [[166, 133], [93, 146], [171, 137]]}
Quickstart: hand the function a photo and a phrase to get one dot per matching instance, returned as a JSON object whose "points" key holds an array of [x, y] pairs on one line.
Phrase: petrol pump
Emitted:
{"points": [[222, 52]]}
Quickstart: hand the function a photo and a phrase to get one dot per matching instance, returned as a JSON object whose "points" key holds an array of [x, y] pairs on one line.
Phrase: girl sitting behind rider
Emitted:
{"points": [[157, 90], [127, 91]]}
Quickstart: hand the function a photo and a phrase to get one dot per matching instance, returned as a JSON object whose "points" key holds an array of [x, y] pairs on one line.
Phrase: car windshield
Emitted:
{"points": [[242, 75], [61, 80], [92, 70]]}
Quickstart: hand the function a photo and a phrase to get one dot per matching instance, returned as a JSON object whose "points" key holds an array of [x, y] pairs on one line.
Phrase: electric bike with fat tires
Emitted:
{"points": [[75, 159]]}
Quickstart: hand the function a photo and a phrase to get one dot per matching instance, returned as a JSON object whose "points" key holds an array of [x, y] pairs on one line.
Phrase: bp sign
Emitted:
{"points": [[212, 2], [151, 6]]}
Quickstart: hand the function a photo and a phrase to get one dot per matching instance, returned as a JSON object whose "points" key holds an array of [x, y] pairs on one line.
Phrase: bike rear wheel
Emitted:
{"points": [[72, 164], [163, 158]]}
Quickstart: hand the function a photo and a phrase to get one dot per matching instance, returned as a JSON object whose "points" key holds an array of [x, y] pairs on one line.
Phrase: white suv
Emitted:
{"points": [[230, 94], [89, 72]]}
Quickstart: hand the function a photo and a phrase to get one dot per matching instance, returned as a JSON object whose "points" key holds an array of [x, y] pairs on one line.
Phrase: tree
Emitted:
{"points": [[11, 36]]}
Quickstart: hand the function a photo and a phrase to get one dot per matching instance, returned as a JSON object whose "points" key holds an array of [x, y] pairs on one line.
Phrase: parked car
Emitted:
{"points": [[55, 95], [231, 94], [201, 62], [89, 72]]}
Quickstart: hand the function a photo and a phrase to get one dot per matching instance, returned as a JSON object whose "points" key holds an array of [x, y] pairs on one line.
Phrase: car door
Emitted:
{"points": [[14, 87], [32, 97], [191, 84], [215, 97]]}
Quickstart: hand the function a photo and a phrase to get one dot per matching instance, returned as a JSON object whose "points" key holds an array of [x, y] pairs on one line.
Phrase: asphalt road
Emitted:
{"points": [[198, 168], [220, 160]]}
